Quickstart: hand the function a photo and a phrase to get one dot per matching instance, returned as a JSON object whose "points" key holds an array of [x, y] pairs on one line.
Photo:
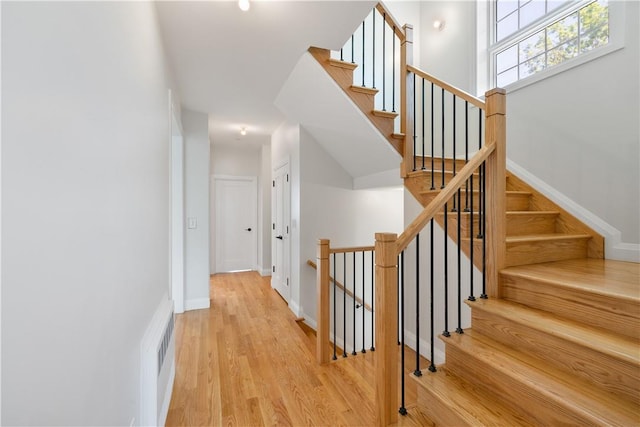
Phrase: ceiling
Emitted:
{"points": [[232, 64]]}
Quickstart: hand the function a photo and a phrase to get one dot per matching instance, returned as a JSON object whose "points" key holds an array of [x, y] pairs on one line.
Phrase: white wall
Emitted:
{"points": [[196, 166], [579, 132], [449, 54], [574, 135], [85, 196], [331, 209], [247, 160], [264, 211]]}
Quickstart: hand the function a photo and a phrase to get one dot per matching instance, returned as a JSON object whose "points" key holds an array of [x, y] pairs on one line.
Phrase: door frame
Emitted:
{"points": [[177, 211], [254, 218]]}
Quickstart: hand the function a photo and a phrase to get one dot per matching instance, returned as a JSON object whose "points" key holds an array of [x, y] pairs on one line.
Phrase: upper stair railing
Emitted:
{"points": [[453, 147]]}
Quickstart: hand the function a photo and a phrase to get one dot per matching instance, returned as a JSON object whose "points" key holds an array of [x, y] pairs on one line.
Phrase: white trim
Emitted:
{"points": [[295, 308], [616, 42], [614, 249], [197, 304], [310, 322], [265, 272]]}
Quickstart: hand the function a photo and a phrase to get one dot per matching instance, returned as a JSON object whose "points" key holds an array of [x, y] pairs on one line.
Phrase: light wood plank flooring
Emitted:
{"points": [[246, 362]]}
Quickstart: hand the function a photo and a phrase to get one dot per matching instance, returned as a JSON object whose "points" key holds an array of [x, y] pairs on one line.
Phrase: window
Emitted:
{"points": [[534, 35]]}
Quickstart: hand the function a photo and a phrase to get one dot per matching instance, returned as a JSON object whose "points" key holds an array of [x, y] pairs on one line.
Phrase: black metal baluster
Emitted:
{"points": [[344, 305], [459, 327], [414, 123], [363, 52], [471, 296], [455, 206], [484, 232], [466, 153], [384, 61], [403, 409], [373, 68], [433, 186], [352, 49], [393, 74], [335, 336], [363, 305], [442, 108], [341, 54], [399, 276], [432, 366], [480, 178], [353, 352], [446, 272], [423, 168], [373, 300], [417, 372]]}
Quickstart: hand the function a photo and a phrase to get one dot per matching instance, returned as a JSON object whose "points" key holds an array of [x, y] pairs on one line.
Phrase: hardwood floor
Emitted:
{"points": [[246, 362]]}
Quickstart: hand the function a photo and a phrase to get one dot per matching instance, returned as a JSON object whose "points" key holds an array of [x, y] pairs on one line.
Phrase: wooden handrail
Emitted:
{"points": [[341, 286], [353, 249], [391, 21], [446, 86], [443, 197]]}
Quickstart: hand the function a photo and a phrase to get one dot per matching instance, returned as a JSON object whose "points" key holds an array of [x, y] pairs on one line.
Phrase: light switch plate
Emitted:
{"points": [[192, 222]]}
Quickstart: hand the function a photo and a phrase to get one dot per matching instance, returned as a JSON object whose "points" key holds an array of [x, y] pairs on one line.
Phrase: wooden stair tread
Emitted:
{"points": [[545, 237], [343, 64], [398, 135], [385, 114], [364, 89], [558, 388], [468, 402], [616, 346], [604, 277]]}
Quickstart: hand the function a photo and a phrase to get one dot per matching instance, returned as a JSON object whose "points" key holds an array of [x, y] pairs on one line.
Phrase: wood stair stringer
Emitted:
{"points": [[342, 73]]}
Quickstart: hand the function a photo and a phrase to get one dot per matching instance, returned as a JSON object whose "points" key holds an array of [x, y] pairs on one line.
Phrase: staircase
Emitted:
{"points": [[561, 344], [558, 342]]}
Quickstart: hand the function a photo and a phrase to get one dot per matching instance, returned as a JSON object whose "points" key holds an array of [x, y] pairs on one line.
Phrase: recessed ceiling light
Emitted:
{"points": [[244, 5], [243, 131]]}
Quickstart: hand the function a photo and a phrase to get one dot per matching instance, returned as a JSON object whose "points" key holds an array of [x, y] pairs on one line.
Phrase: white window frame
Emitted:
{"points": [[616, 41]]}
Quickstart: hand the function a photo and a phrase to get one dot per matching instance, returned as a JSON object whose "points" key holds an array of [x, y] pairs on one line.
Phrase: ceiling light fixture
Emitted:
{"points": [[438, 24], [243, 131], [244, 5]]}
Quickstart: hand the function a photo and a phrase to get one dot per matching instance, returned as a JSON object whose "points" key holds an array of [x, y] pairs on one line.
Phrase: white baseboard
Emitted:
{"points": [[164, 410], [614, 247], [293, 306], [197, 304], [265, 272]]}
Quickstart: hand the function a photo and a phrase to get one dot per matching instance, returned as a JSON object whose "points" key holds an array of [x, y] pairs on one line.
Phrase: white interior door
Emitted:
{"points": [[281, 252], [236, 223]]}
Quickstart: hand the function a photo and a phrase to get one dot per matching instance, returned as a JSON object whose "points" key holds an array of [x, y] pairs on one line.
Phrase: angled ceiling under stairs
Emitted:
{"points": [[312, 98]]}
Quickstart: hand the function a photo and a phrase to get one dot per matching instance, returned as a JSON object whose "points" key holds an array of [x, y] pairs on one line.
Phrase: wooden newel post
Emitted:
{"points": [[322, 284], [496, 133], [407, 113], [386, 324]]}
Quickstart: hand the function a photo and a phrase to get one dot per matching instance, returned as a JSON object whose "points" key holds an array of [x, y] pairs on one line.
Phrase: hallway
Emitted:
{"points": [[246, 362]]}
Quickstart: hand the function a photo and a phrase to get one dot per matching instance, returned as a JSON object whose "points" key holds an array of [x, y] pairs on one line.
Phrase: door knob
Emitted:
{"points": [[279, 237], [248, 229]]}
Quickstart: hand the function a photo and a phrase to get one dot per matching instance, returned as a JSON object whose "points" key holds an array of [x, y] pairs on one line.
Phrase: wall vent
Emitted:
{"points": [[164, 345]]}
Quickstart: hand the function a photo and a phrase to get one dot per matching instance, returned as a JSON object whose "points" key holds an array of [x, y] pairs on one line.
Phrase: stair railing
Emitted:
{"points": [[345, 287], [489, 163], [380, 49]]}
